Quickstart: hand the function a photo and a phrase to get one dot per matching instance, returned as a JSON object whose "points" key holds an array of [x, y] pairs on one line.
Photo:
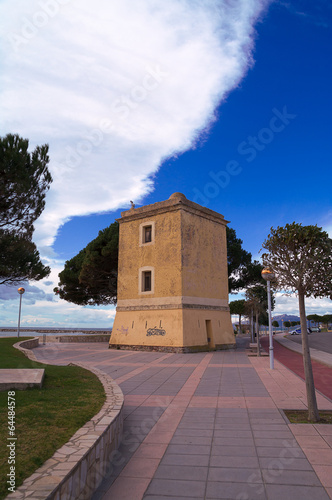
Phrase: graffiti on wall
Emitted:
{"points": [[155, 331]]}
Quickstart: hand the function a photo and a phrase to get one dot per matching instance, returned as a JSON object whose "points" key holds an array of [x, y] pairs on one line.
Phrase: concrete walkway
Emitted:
{"points": [[208, 426]]}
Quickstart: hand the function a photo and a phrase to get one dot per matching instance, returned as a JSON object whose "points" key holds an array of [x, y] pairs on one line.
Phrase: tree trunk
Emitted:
{"points": [[240, 329], [313, 414]]}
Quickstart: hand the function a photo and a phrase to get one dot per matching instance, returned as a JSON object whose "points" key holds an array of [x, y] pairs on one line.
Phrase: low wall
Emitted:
{"points": [[76, 470], [84, 338], [30, 343], [25, 346]]}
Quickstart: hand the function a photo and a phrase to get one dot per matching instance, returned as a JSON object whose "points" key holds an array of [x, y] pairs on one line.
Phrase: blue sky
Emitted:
{"points": [[228, 103]]}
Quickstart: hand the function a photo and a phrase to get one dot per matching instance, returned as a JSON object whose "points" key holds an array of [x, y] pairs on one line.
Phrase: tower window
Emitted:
{"points": [[147, 234], [146, 281]]}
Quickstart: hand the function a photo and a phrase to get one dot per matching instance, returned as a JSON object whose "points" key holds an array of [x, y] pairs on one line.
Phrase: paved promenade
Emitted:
{"points": [[208, 426]]}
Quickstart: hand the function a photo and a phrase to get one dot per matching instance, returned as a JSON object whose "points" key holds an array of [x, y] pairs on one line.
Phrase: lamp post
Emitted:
{"points": [[268, 275], [21, 291]]}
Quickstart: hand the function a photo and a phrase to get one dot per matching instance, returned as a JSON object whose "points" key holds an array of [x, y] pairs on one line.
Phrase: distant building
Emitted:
{"points": [[172, 279]]}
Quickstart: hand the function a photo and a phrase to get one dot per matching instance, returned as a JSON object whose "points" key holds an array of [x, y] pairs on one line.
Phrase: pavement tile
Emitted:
{"points": [[234, 451], [189, 449], [263, 422], [176, 488], [319, 457], [182, 472], [194, 432], [196, 425], [260, 402], [232, 418], [288, 492], [268, 427], [197, 419], [235, 475], [158, 438], [282, 453], [303, 430], [162, 497], [150, 451], [328, 439], [234, 462], [312, 442], [208, 402], [190, 460], [324, 472], [233, 441], [279, 464], [324, 429], [141, 468], [273, 443], [200, 411], [283, 434], [201, 440], [232, 433], [223, 490], [231, 403], [127, 488], [232, 427], [293, 477]]}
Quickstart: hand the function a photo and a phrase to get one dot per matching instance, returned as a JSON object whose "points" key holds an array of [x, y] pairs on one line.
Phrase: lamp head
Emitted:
{"points": [[267, 274]]}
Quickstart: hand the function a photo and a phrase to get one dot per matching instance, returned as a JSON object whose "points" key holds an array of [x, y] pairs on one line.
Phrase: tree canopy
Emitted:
{"points": [[242, 270], [90, 278], [301, 258], [19, 260], [24, 181], [238, 261]]}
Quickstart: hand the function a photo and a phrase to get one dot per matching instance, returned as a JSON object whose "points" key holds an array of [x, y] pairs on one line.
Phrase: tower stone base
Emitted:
{"points": [[173, 330]]}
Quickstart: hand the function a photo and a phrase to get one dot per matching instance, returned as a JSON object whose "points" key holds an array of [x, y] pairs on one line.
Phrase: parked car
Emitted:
{"points": [[298, 331], [315, 329]]}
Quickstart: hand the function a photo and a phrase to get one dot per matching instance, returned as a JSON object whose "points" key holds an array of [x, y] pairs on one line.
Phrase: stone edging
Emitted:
{"points": [[25, 346], [76, 470]]}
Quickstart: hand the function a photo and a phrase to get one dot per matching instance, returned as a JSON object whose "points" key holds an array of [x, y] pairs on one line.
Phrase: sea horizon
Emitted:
{"points": [[9, 331]]}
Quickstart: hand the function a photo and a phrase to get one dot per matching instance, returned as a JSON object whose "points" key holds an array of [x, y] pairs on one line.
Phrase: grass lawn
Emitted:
{"points": [[45, 418], [301, 416]]}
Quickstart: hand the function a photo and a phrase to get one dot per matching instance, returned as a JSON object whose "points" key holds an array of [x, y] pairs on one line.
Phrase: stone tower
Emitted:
{"points": [[172, 279]]}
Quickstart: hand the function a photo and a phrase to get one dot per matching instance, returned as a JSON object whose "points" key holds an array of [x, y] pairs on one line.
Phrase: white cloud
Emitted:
{"points": [[115, 88], [31, 295], [288, 304], [57, 313]]}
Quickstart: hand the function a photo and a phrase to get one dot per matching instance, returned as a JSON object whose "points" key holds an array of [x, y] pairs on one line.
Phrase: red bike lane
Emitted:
{"points": [[294, 361]]}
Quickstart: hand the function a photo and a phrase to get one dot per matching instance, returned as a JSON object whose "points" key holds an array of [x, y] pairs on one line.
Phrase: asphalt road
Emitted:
{"points": [[321, 341]]}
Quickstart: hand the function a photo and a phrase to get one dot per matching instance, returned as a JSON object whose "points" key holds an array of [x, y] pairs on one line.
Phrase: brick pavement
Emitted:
{"points": [[208, 426]]}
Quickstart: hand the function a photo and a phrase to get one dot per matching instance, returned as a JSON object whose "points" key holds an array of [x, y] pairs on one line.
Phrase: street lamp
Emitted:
{"points": [[268, 275], [21, 292]]}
